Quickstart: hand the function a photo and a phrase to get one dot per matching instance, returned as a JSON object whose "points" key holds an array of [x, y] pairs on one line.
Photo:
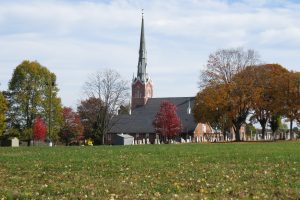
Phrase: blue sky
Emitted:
{"points": [[75, 38]]}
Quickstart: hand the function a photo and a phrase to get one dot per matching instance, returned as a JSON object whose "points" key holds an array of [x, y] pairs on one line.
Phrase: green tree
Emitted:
{"points": [[33, 92], [250, 129], [3, 109], [275, 123]]}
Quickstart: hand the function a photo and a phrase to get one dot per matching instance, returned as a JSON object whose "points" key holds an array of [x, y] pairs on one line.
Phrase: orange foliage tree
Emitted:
{"points": [[211, 108], [264, 91], [290, 97], [262, 83]]}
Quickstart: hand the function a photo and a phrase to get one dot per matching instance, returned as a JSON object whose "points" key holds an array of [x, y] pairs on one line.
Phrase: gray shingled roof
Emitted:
{"points": [[141, 118]]}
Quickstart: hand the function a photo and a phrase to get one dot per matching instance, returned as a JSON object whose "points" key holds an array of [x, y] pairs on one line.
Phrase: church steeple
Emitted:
{"points": [[142, 88], [142, 62]]}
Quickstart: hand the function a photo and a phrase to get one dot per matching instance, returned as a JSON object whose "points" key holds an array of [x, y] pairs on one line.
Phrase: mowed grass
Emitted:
{"points": [[183, 171]]}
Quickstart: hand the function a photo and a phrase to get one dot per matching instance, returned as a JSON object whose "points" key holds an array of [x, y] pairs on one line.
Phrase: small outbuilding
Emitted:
{"points": [[123, 139]]}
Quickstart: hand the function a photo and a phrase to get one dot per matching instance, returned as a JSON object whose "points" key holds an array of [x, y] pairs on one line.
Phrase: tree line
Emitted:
{"points": [[236, 89], [32, 110]]}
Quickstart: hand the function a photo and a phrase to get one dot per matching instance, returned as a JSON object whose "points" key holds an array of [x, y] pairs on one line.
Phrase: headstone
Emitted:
{"points": [[14, 142]]}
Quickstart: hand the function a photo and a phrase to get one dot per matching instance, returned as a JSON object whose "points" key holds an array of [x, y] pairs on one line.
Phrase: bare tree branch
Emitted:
{"points": [[224, 64], [112, 91]]}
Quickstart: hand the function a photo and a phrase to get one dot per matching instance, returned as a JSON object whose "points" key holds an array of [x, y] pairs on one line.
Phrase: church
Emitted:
{"points": [[144, 107]]}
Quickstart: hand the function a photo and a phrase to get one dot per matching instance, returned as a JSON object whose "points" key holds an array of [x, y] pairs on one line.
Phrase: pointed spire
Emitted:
{"points": [[142, 63]]}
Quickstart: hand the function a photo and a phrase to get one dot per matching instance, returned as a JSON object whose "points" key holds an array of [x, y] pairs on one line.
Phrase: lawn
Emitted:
{"points": [[182, 171]]}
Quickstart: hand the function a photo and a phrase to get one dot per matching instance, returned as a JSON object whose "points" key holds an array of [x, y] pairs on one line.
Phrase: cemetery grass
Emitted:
{"points": [[179, 171]]}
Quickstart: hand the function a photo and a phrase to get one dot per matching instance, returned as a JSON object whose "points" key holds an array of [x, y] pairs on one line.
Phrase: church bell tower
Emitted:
{"points": [[142, 88]]}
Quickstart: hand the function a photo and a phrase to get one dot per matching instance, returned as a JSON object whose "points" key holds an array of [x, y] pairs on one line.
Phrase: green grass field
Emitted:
{"points": [[184, 171]]}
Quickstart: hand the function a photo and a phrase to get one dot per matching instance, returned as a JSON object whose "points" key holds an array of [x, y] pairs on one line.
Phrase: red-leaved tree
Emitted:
{"points": [[39, 129], [166, 122], [72, 129]]}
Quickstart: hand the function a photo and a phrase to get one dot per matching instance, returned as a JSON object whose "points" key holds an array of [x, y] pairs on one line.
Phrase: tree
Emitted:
{"points": [[260, 81], [88, 111], [33, 92], [112, 91], [221, 80], [275, 124], [227, 105], [72, 129], [210, 108], [290, 93], [39, 129], [3, 109], [166, 122], [250, 129], [223, 64]]}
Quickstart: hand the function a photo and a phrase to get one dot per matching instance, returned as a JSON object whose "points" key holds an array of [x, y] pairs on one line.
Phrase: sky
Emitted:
{"points": [[76, 38]]}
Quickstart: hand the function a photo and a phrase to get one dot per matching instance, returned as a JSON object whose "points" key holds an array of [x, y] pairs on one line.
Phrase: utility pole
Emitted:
{"points": [[50, 107]]}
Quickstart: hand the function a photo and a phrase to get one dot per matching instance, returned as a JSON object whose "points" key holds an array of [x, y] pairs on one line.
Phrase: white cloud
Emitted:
{"points": [[76, 38]]}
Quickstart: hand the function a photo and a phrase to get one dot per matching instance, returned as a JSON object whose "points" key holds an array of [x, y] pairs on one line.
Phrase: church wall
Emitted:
{"points": [[140, 93]]}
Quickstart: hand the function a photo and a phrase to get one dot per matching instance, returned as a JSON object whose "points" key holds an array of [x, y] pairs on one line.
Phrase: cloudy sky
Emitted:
{"points": [[75, 38]]}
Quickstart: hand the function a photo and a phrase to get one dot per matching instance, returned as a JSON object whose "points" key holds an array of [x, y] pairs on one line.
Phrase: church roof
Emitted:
{"points": [[141, 118]]}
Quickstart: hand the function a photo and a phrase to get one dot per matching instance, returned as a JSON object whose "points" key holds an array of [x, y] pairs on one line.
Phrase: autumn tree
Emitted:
{"points": [[211, 108], [166, 122], [227, 105], [39, 129], [219, 77], [3, 109], [112, 92], [33, 92], [71, 129], [88, 111], [290, 100], [260, 81], [223, 64]]}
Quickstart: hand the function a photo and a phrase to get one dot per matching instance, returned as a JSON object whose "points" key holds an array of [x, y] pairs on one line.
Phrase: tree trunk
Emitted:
{"points": [[237, 133], [102, 139], [224, 134], [263, 131], [263, 123]]}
